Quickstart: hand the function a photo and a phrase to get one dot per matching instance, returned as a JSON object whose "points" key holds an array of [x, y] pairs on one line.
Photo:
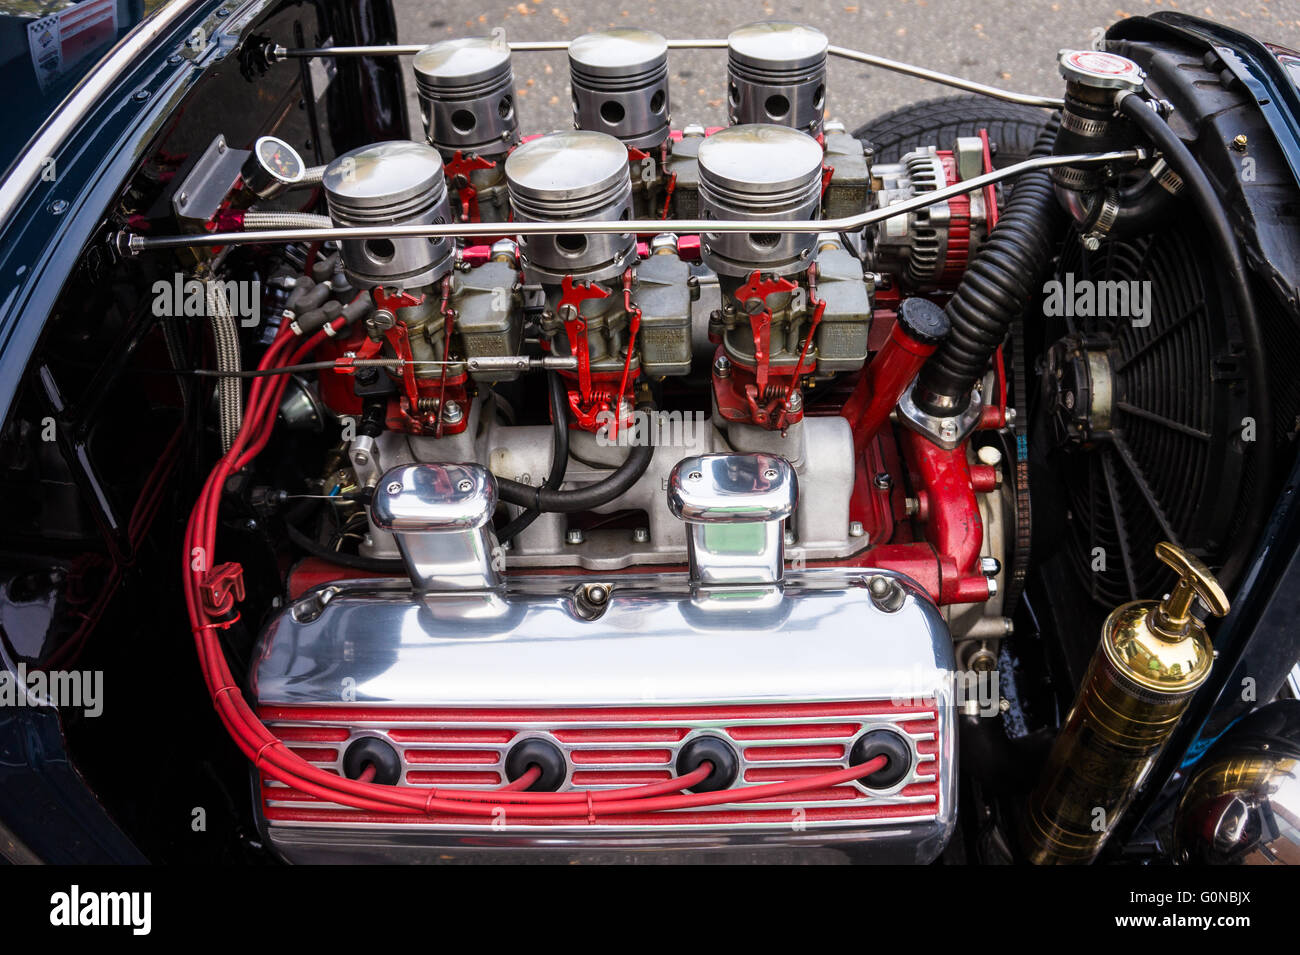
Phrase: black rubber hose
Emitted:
{"points": [[1142, 206], [584, 498], [1197, 187], [997, 287], [559, 455]]}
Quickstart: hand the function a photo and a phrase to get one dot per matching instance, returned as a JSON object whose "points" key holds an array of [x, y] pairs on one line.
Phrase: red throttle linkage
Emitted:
{"points": [[583, 404], [752, 297], [387, 302], [572, 295], [458, 170]]}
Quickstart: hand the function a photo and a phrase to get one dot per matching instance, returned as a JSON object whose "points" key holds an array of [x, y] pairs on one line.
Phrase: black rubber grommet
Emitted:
{"points": [[714, 749], [923, 320], [543, 754], [875, 743], [376, 752]]}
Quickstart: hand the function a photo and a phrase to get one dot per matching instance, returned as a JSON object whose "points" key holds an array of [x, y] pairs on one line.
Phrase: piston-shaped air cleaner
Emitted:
{"points": [[736, 506], [759, 172], [391, 183], [776, 73], [620, 85], [575, 174], [467, 96]]}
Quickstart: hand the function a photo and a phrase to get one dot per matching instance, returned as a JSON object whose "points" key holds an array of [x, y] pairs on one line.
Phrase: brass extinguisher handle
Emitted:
{"points": [[1173, 617]]}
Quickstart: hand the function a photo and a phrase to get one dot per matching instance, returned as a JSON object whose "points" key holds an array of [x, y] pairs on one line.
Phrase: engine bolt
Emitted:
{"points": [[574, 535], [641, 535], [591, 600], [465, 486], [883, 481], [694, 476], [722, 367], [886, 593], [794, 404], [856, 529], [452, 413], [1240, 142], [788, 538], [770, 474], [395, 487], [990, 566]]}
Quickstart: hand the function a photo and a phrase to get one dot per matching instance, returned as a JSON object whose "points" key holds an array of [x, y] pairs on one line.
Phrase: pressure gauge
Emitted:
{"points": [[272, 167]]}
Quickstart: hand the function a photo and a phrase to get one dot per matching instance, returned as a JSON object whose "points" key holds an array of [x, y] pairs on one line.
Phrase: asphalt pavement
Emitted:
{"points": [[1007, 43]]}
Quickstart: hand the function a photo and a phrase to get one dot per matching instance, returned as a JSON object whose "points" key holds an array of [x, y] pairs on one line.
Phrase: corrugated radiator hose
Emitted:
{"points": [[997, 287]]}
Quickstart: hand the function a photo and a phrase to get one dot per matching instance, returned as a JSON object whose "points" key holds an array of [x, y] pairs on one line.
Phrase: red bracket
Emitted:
{"points": [[391, 301], [460, 167], [572, 295], [757, 289], [668, 195], [222, 588]]}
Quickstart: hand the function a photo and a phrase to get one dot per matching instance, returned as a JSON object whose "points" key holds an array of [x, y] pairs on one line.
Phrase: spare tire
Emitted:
{"points": [[937, 122]]}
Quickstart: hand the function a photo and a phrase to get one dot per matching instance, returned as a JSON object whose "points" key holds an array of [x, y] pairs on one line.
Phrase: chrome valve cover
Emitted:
{"points": [[620, 679]]}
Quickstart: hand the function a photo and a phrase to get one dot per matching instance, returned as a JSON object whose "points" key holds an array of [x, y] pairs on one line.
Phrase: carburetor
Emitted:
{"points": [[417, 291], [793, 304], [598, 300]]}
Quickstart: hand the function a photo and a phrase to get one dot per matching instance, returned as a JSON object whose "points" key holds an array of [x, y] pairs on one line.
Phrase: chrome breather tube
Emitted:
{"points": [[277, 53], [132, 244]]}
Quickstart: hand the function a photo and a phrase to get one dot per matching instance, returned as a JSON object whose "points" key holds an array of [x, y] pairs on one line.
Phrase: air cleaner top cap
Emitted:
{"points": [[1101, 70], [617, 53], [462, 63], [778, 44]]}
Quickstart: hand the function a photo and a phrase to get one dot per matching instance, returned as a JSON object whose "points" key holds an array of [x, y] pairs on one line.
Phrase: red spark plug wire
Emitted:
{"points": [[530, 776], [271, 756], [691, 779]]}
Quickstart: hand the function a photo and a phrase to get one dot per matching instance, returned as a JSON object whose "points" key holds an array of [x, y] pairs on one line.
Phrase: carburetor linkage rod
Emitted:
{"points": [[128, 243], [277, 53]]}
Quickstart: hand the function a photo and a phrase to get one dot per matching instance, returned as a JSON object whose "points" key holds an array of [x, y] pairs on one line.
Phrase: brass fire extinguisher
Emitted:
{"points": [[1153, 656]]}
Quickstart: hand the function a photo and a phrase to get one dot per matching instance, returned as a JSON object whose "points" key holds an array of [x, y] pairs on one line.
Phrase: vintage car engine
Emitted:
{"points": [[738, 558], [679, 487], [490, 444]]}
